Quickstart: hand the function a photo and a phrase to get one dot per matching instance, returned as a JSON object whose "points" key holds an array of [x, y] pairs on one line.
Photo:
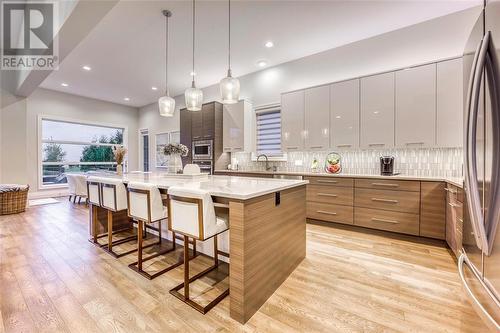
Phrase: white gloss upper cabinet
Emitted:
{"points": [[416, 107], [292, 121], [449, 103], [317, 118], [377, 111], [237, 127], [344, 114]]}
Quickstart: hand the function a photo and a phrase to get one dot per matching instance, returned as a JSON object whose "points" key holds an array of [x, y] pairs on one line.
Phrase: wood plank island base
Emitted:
{"points": [[267, 237]]}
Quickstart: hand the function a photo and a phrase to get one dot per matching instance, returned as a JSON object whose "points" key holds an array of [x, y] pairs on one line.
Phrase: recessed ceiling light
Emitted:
{"points": [[87, 68], [154, 88], [262, 63], [192, 73], [126, 99], [269, 44], [64, 84]]}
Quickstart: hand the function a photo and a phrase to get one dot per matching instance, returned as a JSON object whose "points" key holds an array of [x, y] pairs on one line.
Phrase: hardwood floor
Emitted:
{"points": [[53, 280]]}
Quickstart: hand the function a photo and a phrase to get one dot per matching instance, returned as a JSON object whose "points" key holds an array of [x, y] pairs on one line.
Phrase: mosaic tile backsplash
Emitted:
{"points": [[432, 162]]}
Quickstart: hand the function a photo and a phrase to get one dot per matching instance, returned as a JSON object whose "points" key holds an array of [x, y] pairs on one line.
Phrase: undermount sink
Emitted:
{"points": [[295, 177]]}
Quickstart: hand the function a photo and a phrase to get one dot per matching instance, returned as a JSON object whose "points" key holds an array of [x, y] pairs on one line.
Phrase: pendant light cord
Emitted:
{"points": [[229, 42], [194, 13], [166, 56]]}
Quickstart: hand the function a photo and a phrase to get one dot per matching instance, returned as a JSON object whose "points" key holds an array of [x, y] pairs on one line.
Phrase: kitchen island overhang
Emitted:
{"points": [[267, 238]]}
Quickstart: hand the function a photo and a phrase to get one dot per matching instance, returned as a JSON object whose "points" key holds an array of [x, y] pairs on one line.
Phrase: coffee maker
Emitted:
{"points": [[387, 165]]}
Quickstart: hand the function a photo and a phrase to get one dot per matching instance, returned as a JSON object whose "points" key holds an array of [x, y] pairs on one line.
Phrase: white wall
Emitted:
{"points": [[436, 39], [20, 129]]}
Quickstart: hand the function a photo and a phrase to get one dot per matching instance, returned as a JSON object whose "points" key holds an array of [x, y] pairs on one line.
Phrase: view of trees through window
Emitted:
{"points": [[73, 147]]}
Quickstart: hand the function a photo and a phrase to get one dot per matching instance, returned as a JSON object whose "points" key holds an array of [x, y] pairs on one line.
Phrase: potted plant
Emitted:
{"points": [[175, 151], [119, 153]]}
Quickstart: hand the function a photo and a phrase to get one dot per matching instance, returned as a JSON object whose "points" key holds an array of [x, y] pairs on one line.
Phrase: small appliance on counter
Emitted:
{"points": [[387, 165]]}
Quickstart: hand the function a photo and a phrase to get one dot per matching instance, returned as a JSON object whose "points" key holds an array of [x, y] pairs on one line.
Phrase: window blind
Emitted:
{"points": [[269, 132]]}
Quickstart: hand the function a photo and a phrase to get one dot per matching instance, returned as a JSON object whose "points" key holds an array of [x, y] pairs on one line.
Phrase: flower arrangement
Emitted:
{"points": [[119, 153], [176, 149]]}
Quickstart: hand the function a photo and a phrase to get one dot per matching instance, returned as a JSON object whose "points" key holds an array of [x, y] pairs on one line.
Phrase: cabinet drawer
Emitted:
{"points": [[399, 201], [396, 185], [330, 213], [330, 194], [454, 193], [385, 220], [332, 181]]}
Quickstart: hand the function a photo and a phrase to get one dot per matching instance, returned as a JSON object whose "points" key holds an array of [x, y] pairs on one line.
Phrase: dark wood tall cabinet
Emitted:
{"points": [[204, 125]]}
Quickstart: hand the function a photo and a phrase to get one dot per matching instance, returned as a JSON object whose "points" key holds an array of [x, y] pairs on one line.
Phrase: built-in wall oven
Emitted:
{"points": [[202, 150], [205, 166]]}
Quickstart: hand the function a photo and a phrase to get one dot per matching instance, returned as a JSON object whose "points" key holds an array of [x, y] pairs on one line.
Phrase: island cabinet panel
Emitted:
{"points": [[344, 114], [432, 210], [398, 201], [389, 184], [332, 181], [330, 212], [416, 107], [377, 111], [292, 121], [330, 194], [404, 223], [267, 242], [317, 118]]}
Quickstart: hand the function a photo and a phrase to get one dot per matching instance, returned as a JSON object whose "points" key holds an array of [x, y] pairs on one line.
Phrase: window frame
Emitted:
{"points": [[264, 109], [40, 163]]}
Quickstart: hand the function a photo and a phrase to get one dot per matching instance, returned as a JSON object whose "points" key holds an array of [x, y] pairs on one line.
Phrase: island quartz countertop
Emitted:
{"points": [[240, 188]]}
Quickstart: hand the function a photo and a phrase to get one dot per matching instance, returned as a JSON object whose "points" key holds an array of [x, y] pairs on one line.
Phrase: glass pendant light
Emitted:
{"points": [[166, 104], [193, 96], [229, 86]]}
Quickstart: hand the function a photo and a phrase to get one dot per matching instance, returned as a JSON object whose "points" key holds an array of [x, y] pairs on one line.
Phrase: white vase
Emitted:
{"points": [[119, 170], [175, 163]]}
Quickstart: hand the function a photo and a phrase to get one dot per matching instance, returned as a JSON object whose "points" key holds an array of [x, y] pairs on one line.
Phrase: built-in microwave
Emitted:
{"points": [[205, 166], [202, 150]]}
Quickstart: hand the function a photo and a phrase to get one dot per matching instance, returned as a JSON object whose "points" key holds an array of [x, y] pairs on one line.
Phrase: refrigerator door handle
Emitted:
{"points": [[493, 213], [463, 259], [470, 165]]}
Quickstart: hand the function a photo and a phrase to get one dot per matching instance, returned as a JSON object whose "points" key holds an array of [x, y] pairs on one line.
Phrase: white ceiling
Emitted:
{"points": [[126, 49]]}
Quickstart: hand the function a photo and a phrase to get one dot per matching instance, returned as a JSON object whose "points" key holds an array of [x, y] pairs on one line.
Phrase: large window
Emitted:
{"points": [[268, 136], [75, 147]]}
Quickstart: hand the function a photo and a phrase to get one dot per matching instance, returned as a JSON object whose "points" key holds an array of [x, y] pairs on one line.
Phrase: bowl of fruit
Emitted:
{"points": [[333, 163]]}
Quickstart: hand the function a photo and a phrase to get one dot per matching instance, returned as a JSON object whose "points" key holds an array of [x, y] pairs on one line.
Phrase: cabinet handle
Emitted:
{"points": [[414, 143], [207, 136], [239, 148], [325, 212], [385, 184], [453, 191], [315, 147], [327, 181], [292, 147], [454, 205], [385, 200], [384, 220], [344, 145], [327, 195], [197, 137], [376, 144], [460, 220]]}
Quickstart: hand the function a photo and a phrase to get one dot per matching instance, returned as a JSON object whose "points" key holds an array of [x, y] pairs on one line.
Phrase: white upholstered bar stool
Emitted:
{"points": [[114, 199], [94, 199], [192, 214], [145, 205]]}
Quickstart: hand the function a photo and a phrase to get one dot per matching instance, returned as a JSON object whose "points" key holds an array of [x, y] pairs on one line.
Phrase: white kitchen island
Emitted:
{"points": [[267, 239]]}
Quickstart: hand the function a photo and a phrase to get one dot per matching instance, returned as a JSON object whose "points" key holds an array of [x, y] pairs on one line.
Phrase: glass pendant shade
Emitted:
{"points": [[166, 104], [194, 98], [230, 89]]}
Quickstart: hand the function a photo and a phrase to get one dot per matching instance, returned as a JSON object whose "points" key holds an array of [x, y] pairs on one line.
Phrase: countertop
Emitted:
{"points": [[232, 187], [457, 181]]}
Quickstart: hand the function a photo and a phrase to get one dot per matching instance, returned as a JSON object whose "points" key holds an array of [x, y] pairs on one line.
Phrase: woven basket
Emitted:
{"points": [[14, 201]]}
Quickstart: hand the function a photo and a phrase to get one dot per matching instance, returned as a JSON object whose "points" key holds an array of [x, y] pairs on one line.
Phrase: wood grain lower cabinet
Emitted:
{"points": [[454, 218], [330, 213], [389, 184], [433, 210], [330, 194], [404, 223], [338, 181], [398, 201]]}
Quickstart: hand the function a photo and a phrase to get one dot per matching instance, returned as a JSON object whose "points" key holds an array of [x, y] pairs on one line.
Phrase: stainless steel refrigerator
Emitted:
{"points": [[479, 262]]}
